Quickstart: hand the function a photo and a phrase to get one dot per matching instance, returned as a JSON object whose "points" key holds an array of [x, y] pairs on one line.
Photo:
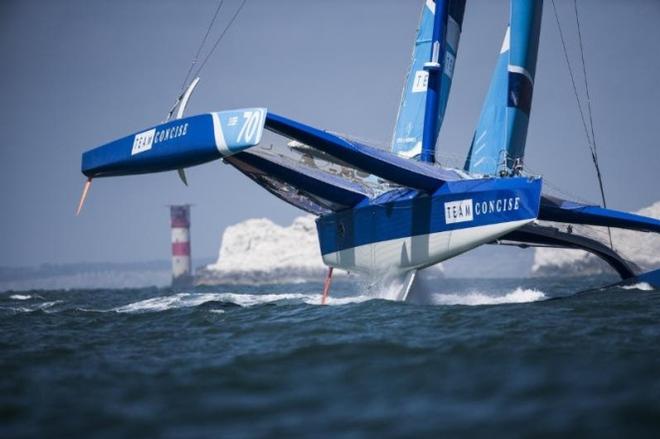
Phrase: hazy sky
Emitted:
{"points": [[77, 74]]}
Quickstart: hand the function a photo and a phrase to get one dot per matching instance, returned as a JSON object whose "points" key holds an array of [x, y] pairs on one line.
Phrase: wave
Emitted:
{"points": [[187, 300], [472, 298], [45, 307], [642, 286], [216, 301], [20, 297]]}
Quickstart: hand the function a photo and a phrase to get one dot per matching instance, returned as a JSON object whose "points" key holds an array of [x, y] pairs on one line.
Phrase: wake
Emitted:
{"points": [[187, 300], [475, 298], [191, 300], [642, 286]]}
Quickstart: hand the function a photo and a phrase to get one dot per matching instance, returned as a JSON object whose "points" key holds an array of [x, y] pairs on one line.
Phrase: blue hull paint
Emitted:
{"points": [[190, 143], [370, 159], [177, 144], [652, 278], [405, 213], [556, 209]]}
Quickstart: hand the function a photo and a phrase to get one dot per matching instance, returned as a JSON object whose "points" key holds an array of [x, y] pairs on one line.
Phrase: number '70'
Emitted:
{"points": [[251, 123]]}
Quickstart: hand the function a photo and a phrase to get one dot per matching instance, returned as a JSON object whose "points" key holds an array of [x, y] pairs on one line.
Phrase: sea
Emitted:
{"points": [[461, 358]]}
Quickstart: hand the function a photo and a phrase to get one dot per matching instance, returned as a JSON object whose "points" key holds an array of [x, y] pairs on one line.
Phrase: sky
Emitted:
{"points": [[76, 74]]}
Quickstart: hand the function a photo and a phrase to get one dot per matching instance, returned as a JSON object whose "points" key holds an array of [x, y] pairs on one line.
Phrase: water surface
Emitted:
{"points": [[479, 358]]}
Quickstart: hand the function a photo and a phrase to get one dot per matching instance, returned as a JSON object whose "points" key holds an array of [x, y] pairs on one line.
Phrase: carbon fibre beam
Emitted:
{"points": [[535, 234]]}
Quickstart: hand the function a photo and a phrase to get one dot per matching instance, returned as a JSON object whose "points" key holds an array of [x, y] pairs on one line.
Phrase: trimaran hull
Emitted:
{"points": [[419, 213]]}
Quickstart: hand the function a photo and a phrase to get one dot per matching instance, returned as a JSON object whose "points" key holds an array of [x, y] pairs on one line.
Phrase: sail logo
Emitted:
{"points": [[450, 60], [143, 141], [421, 81], [458, 211]]}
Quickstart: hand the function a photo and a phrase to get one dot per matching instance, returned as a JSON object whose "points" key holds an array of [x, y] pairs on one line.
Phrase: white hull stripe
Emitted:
{"points": [[220, 141], [403, 254]]}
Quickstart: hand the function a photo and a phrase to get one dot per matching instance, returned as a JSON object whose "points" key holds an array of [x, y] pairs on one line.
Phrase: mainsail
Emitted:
{"points": [[409, 130], [498, 145]]}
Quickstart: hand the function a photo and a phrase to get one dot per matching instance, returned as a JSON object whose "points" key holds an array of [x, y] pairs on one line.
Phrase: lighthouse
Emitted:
{"points": [[181, 262]]}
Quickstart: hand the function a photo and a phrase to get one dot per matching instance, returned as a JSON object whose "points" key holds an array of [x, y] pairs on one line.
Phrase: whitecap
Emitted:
{"points": [[340, 300], [45, 306], [519, 295], [187, 300], [20, 297], [642, 286], [163, 303]]}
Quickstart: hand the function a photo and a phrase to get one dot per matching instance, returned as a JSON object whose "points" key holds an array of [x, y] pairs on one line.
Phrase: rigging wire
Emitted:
{"points": [[217, 42], [591, 120], [586, 81], [570, 71], [201, 45], [589, 135], [208, 55]]}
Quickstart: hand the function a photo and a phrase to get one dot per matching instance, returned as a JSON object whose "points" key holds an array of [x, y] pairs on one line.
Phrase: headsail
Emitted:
{"points": [[498, 145], [408, 133]]}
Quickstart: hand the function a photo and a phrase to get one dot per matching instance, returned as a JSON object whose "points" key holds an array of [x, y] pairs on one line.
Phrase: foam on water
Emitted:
{"points": [[519, 295], [186, 300], [44, 306], [341, 300], [642, 286], [385, 286], [390, 291], [47, 305], [162, 303], [192, 299], [20, 297]]}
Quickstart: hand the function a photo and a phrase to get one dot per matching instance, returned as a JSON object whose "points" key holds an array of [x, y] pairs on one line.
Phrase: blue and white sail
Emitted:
{"points": [[409, 130], [498, 145]]}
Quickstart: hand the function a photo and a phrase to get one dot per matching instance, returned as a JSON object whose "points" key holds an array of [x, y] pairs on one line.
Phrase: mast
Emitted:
{"points": [[409, 127], [434, 69]]}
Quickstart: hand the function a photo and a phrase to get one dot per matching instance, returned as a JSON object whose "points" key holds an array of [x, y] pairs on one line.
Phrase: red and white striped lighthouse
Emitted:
{"points": [[181, 262]]}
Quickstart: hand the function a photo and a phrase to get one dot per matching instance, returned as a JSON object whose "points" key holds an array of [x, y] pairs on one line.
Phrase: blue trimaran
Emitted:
{"points": [[393, 213]]}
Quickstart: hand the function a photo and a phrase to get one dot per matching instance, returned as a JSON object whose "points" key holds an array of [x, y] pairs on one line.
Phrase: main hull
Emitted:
{"points": [[404, 254], [403, 231]]}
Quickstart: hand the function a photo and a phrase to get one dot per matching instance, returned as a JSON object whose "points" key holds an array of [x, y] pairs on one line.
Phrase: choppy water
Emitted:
{"points": [[481, 358]]}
